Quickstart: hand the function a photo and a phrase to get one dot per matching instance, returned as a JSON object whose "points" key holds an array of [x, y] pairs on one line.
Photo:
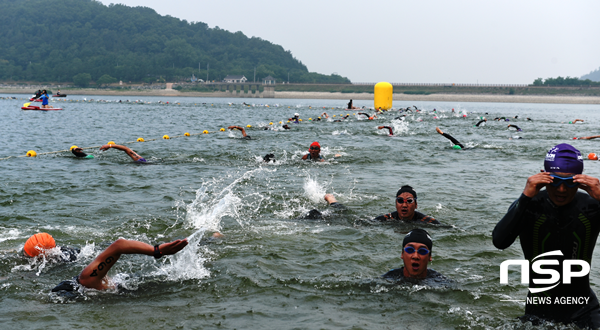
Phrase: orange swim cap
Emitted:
{"points": [[38, 242], [592, 156]]}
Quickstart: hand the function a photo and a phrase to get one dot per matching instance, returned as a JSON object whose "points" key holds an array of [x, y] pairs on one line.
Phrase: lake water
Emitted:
{"points": [[272, 270]]}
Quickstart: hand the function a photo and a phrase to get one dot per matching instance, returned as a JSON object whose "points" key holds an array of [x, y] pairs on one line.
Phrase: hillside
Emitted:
{"points": [[593, 76], [54, 40]]}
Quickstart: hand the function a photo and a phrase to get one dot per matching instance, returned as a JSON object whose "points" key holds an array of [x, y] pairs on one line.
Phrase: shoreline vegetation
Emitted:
{"points": [[520, 94]]}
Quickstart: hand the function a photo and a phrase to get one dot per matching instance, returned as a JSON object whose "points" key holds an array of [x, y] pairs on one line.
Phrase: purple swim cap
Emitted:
{"points": [[564, 158]]}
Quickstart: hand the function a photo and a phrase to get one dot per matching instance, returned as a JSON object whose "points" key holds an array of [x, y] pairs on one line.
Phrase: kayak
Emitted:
{"points": [[31, 107], [60, 95], [36, 100]]}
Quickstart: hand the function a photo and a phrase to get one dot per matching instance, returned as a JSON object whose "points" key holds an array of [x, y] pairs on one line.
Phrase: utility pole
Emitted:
{"points": [[288, 77], [206, 72], [254, 74]]}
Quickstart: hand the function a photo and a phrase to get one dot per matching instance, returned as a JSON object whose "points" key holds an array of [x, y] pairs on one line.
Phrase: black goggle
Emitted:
{"points": [[558, 180], [315, 148], [409, 200]]}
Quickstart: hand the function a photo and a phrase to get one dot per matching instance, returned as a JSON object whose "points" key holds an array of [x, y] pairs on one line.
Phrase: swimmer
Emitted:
{"points": [[367, 115], [416, 255], [515, 126], [587, 137], [449, 137], [41, 243], [286, 126], [94, 275], [389, 128], [406, 205], [315, 214], [295, 119], [325, 115], [269, 158], [243, 130], [481, 122], [576, 120], [314, 153], [78, 152], [529, 119], [136, 158]]}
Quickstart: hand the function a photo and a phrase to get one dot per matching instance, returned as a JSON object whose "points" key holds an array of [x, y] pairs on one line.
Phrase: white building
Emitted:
{"points": [[269, 80], [235, 79]]}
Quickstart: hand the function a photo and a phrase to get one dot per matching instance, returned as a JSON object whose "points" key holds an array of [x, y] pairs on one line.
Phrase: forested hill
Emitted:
{"points": [[54, 40], [593, 76]]}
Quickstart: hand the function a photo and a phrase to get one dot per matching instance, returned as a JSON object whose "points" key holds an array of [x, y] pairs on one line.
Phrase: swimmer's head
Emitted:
{"points": [[37, 243], [78, 152], [315, 145], [457, 147], [408, 189], [418, 235], [564, 158], [416, 253], [296, 115]]}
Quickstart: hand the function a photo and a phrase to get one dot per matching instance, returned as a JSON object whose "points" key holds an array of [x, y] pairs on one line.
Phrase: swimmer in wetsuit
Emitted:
{"points": [[449, 137], [243, 130], [389, 128], [483, 121], [136, 158], [576, 120], [317, 215], [557, 218], [314, 153], [515, 126], [295, 119], [587, 137], [406, 205], [94, 275], [416, 255], [78, 152]]}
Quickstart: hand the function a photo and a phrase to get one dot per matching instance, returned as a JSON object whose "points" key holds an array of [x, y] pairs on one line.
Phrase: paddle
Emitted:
{"points": [[26, 105]]}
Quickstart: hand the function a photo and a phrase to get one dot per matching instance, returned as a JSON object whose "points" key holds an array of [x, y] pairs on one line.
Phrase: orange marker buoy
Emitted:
{"points": [[186, 134], [592, 156], [38, 242]]}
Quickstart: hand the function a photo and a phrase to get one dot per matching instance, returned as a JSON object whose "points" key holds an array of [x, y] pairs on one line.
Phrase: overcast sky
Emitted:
{"points": [[456, 41]]}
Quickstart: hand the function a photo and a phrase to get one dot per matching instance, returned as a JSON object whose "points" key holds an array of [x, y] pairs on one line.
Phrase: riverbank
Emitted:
{"points": [[553, 99]]}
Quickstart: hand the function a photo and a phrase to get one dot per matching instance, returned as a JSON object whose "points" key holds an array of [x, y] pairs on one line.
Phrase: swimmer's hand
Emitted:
{"points": [[105, 147], [337, 155], [173, 247], [330, 198], [439, 130], [535, 183], [588, 183]]}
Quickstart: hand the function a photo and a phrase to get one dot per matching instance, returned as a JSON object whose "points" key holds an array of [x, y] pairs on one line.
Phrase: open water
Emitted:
{"points": [[272, 270]]}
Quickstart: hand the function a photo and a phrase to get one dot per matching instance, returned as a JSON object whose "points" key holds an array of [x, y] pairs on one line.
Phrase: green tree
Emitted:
{"points": [[82, 79], [105, 80], [538, 82]]}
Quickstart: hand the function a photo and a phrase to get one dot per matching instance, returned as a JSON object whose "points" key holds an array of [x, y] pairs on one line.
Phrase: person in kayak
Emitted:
{"points": [[44, 98]]}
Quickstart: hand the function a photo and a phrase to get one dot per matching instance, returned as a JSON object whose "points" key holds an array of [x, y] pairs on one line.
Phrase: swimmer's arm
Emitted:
{"points": [[509, 228], [95, 272], [240, 128], [127, 150], [305, 157]]}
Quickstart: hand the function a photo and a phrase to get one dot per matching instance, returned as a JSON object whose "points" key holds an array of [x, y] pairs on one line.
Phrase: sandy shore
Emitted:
{"points": [[565, 99]]}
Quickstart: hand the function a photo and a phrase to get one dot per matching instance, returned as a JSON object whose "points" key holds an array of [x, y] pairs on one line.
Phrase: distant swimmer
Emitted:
{"points": [[576, 120], [529, 119], [314, 153], [515, 126], [78, 152], [587, 137], [416, 255], [457, 145], [286, 126], [325, 115], [269, 158], [406, 205], [94, 275], [295, 119], [481, 122], [368, 116], [243, 130], [44, 244], [389, 128], [136, 158]]}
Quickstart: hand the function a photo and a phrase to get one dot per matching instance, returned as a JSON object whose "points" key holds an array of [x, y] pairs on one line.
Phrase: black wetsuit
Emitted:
{"points": [[543, 227], [455, 141], [309, 157], [418, 217], [479, 123], [315, 214]]}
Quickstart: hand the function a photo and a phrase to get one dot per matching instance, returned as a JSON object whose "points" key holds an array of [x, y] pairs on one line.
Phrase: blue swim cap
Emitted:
{"points": [[564, 158]]}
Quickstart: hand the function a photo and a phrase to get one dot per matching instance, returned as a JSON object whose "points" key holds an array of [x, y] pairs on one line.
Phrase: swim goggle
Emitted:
{"points": [[422, 251], [409, 200], [315, 148], [558, 180]]}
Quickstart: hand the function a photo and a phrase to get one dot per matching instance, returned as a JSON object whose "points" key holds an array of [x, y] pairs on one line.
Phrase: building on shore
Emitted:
{"points": [[269, 80]]}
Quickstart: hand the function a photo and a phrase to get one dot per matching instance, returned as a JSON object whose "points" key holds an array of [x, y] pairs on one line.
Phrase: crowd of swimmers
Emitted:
{"points": [[551, 214]]}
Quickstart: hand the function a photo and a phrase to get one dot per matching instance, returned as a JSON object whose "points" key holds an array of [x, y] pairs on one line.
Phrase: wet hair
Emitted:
{"points": [[408, 189]]}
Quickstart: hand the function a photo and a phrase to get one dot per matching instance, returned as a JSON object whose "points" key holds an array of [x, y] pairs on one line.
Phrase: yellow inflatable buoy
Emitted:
{"points": [[140, 139], [248, 126], [282, 122], [186, 134], [333, 116], [300, 119], [205, 132], [111, 142], [73, 147], [310, 119], [166, 137], [271, 123], [383, 95], [222, 130], [31, 153]]}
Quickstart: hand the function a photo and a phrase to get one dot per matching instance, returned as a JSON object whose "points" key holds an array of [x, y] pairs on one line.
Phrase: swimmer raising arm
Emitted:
{"points": [[241, 129], [389, 128], [94, 275], [449, 137], [128, 151], [576, 120]]}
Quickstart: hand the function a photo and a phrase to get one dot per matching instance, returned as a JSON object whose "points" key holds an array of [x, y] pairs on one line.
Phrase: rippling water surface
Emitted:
{"points": [[271, 270]]}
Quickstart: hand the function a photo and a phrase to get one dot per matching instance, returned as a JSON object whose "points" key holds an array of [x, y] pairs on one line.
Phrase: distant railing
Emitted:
{"points": [[444, 84]]}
